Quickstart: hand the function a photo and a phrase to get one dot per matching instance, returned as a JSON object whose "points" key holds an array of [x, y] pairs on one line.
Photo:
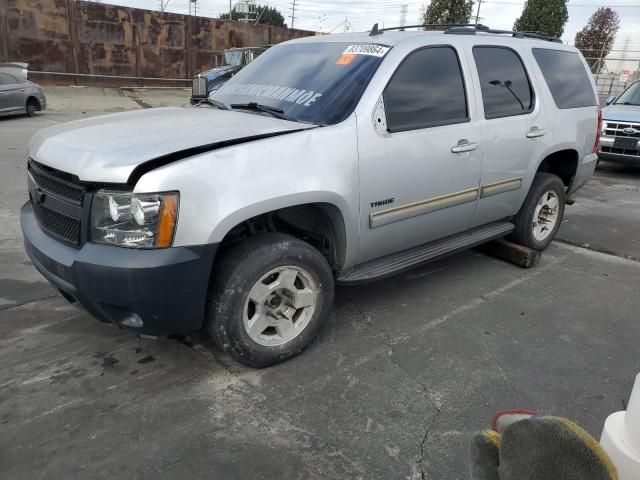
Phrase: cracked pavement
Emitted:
{"points": [[405, 371]]}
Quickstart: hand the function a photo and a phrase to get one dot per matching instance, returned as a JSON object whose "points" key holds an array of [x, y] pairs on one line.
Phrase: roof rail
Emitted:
{"points": [[426, 26], [472, 31], [467, 29]]}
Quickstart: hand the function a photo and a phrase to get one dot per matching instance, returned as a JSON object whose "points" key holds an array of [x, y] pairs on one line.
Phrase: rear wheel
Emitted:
{"points": [[541, 213], [269, 298]]}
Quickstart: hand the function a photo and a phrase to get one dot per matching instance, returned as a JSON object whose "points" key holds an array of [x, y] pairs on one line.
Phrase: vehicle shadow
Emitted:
{"points": [[618, 168]]}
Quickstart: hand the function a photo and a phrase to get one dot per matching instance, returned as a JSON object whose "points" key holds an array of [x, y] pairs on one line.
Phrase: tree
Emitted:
{"points": [[596, 38], [265, 15], [448, 11], [546, 16]]}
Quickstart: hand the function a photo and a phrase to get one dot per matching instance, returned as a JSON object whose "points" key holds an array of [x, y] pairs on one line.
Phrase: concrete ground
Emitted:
{"points": [[404, 372], [92, 100]]}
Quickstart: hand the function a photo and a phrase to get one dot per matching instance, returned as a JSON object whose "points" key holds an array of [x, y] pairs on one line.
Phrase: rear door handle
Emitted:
{"points": [[535, 132], [464, 146]]}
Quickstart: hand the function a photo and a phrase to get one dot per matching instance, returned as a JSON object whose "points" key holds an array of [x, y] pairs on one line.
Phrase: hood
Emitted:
{"points": [[109, 148], [218, 72], [623, 113]]}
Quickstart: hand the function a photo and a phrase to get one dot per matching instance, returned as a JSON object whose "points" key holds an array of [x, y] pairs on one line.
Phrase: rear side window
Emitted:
{"points": [[566, 77], [506, 89], [6, 79], [426, 90]]}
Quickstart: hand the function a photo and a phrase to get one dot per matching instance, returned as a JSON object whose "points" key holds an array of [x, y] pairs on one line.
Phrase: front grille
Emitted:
{"points": [[63, 226], [199, 87], [624, 143], [49, 183], [616, 129]]}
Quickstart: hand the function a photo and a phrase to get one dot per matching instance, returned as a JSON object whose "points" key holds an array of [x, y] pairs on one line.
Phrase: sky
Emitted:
{"points": [[360, 15]]}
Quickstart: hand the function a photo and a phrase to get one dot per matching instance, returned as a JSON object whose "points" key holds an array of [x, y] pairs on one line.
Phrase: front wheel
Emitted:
{"points": [[269, 298], [32, 108], [541, 213]]}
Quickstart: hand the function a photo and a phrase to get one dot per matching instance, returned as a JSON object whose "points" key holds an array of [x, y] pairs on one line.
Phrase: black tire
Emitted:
{"points": [[240, 268], [32, 108], [523, 233]]}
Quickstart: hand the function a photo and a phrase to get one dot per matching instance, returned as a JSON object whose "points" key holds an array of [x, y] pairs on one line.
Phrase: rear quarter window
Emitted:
{"points": [[566, 77]]}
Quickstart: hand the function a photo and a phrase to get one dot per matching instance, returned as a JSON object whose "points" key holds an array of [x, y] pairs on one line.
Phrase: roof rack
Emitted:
{"points": [[426, 26], [467, 29]]}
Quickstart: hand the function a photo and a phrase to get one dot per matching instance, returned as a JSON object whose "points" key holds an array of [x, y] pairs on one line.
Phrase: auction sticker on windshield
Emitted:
{"points": [[367, 49]]}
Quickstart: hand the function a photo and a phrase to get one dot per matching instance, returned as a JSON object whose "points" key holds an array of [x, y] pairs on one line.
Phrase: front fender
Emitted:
{"points": [[222, 188]]}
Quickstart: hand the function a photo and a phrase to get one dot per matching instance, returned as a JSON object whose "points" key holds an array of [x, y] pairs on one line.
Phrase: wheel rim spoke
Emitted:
{"points": [[303, 298], [258, 324], [285, 328], [260, 292], [287, 279]]}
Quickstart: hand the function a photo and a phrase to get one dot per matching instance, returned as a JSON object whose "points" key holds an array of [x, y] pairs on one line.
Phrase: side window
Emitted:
{"points": [[566, 77], [6, 79], [506, 89], [426, 90]]}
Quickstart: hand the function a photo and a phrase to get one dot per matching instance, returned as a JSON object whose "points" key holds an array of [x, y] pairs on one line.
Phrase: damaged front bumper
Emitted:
{"points": [[156, 292]]}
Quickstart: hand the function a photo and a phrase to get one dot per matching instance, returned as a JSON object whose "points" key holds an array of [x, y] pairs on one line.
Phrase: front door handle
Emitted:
{"points": [[535, 132], [464, 146]]}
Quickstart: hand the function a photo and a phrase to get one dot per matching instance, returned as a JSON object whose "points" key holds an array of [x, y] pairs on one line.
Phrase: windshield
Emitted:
{"points": [[233, 58], [317, 83], [631, 96]]}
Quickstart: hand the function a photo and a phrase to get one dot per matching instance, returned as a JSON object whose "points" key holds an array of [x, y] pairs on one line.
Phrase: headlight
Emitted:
{"points": [[146, 220]]}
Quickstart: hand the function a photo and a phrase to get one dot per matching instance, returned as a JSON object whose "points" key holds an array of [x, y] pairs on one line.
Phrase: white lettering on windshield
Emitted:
{"points": [[285, 94]]}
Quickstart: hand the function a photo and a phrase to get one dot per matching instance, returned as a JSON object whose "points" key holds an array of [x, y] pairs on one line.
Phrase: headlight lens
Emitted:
{"points": [[134, 220]]}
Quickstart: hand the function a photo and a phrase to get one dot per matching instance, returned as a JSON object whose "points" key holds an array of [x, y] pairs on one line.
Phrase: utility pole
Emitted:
{"points": [[421, 14], [230, 10], [163, 5], [478, 12], [403, 15], [293, 13]]}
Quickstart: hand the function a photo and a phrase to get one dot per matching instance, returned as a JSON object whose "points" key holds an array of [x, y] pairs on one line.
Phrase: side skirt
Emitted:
{"points": [[391, 264]]}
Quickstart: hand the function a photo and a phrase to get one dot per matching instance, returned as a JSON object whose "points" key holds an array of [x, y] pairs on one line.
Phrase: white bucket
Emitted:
{"points": [[621, 437]]}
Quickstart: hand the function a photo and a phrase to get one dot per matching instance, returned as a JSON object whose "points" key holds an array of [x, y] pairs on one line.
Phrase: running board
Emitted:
{"points": [[414, 256]]}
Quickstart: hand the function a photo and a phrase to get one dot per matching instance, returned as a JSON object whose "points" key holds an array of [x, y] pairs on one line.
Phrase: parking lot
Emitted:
{"points": [[405, 371]]}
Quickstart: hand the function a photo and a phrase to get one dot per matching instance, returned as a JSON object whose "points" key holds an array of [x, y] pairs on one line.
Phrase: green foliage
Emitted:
{"points": [[267, 16], [546, 16], [596, 38], [448, 11]]}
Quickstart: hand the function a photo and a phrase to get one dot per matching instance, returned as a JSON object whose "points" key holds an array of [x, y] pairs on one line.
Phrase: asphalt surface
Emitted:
{"points": [[404, 372]]}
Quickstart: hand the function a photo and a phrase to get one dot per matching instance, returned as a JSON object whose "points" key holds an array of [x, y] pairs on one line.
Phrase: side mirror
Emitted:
{"points": [[611, 99]]}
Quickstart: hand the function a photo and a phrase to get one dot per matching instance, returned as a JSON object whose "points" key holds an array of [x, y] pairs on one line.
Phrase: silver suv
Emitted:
{"points": [[340, 158]]}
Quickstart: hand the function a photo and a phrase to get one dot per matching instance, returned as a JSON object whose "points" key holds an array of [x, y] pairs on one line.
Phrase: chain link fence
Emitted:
{"points": [[614, 72]]}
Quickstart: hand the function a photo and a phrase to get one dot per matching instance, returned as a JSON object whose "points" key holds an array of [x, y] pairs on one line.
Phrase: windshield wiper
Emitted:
{"points": [[214, 103], [276, 112], [628, 103]]}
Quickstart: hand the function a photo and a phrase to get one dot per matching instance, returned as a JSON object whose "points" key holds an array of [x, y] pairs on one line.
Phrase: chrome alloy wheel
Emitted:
{"points": [[545, 216], [279, 306]]}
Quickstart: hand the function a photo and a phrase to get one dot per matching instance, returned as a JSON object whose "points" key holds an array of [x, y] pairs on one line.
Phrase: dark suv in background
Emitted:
{"points": [[233, 60]]}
